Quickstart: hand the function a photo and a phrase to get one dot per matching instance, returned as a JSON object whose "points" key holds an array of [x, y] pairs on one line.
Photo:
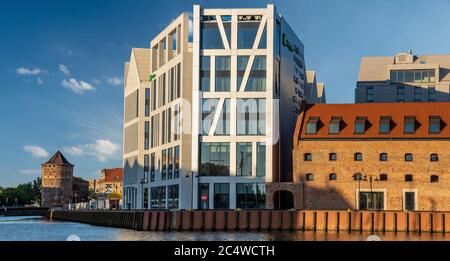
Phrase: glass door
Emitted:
{"points": [[371, 200]]}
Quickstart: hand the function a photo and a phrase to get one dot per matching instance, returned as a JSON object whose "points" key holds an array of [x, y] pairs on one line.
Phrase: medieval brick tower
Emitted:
{"points": [[57, 176]]}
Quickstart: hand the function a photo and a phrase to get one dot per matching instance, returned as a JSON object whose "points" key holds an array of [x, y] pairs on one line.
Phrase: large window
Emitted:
{"points": [[223, 73], [173, 199], [223, 125], [146, 166], [176, 173], [152, 167], [251, 116], [147, 102], [158, 197], [242, 62], [164, 165], [221, 195], [260, 159], [210, 34], [244, 159], [417, 76], [153, 95], [170, 163], [209, 107], [257, 77], [250, 195], [205, 73], [226, 21], [247, 30], [215, 159], [146, 135], [371, 200]]}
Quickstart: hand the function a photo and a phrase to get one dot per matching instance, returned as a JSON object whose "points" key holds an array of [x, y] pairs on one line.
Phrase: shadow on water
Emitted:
{"points": [[41, 229]]}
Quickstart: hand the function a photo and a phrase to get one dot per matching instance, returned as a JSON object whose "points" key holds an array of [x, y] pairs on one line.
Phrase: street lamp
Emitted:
{"points": [[357, 177], [372, 178]]}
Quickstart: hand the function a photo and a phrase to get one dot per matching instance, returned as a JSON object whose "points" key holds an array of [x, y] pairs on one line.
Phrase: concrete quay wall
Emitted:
{"points": [[303, 220]]}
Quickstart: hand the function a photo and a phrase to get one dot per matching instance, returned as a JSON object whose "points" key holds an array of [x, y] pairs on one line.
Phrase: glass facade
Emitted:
{"points": [[247, 30], [146, 135], [210, 34], [260, 159], [242, 62], [209, 107], [146, 166], [244, 159], [205, 73], [152, 167], [215, 159], [226, 21], [158, 197], [223, 73], [164, 165], [176, 173], [251, 117], [147, 102], [250, 195], [223, 126], [173, 196], [221, 196], [416, 76], [170, 164], [257, 77]]}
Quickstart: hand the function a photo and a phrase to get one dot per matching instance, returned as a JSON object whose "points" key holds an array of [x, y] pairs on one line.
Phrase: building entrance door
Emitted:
{"points": [[410, 201], [203, 199], [371, 200]]}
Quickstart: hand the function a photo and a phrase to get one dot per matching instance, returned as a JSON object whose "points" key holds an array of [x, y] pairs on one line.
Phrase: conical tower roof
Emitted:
{"points": [[58, 159]]}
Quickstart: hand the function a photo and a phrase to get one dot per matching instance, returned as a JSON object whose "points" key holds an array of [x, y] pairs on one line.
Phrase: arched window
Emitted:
{"points": [[309, 177], [307, 157], [383, 156], [358, 156], [434, 178], [357, 176], [408, 157], [434, 157], [383, 177], [332, 156], [332, 176]]}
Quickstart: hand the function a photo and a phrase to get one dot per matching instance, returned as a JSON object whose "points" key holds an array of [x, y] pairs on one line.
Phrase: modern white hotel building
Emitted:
{"points": [[212, 120]]}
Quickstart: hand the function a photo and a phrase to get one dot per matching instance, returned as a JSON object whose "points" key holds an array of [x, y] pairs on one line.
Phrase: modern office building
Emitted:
{"points": [[237, 87], [157, 155], [249, 80], [404, 77], [390, 156], [314, 91]]}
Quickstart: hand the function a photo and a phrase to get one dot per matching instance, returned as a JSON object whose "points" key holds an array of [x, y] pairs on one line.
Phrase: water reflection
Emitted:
{"points": [[41, 229]]}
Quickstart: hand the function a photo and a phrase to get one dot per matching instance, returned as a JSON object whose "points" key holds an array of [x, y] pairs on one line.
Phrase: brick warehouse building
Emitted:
{"points": [[391, 156]]}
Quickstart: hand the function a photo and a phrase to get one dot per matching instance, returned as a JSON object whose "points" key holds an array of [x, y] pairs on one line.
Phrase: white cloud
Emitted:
{"points": [[101, 150], [64, 69], [29, 71], [77, 86], [39, 81], [115, 81], [36, 151], [30, 172]]}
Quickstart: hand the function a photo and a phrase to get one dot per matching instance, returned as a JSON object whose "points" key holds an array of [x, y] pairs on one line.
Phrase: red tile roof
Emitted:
{"points": [[111, 174], [58, 159], [373, 112]]}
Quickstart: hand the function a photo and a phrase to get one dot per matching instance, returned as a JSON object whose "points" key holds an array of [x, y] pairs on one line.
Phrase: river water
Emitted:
{"points": [[41, 229]]}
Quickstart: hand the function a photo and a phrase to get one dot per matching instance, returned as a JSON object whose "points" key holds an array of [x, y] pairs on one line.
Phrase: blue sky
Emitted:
{"points": [[61, 66]]}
